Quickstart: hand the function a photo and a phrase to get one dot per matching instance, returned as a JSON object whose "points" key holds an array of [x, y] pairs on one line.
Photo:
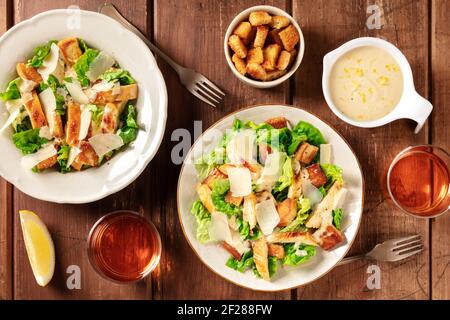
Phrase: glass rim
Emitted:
{"points": [[391, 166], [149, 269]]}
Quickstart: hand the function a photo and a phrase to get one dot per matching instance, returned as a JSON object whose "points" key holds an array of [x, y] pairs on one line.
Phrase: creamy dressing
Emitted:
{"points": [[366, 83]]}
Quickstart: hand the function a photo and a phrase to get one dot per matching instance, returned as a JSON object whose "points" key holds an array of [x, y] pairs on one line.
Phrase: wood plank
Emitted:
{"points": [[440, 136], [326, 25], [70, 224], [5, 197], [191, 32]]}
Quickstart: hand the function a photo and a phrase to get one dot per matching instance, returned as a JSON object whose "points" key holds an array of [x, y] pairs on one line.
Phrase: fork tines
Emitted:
{"points": [[407, 246], [208, 92]]}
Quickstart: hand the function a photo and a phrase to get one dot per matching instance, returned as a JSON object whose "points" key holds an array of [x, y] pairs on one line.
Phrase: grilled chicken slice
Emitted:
{"points": [[276, 250], [73, 123], [294, 236], [255, 169], [233, 200], [322, 213], [55, 124], [34, 109], [295, 190], [28, 73], [204, 193], [328, 237], [47, 163], [287, 210], [214, 175], [111, 117], [249, 210], [70, 50], [86, 157], [129, 92], [224, 168], [260, 257]]}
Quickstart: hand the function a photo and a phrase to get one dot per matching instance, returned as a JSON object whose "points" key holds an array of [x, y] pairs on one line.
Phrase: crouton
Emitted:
{"points": [[306, 153], [243, 30], [277, 122], [239, 64], [28, 73], [256, 71], [86, 157], [34, 109], [47, 163], [260, 257], [261, 35], [70, 50], [258, 18], [276, 250], [279, 22], [274, 38], [293, 236], [215, 174], [233, 199], [275, 74], [231, 250], [287, 210], [73, 123], [316, 175], [250, 37], [289, 36], [255, 55], [286, 58], [237, 46], [271, 53], [204, 194]]}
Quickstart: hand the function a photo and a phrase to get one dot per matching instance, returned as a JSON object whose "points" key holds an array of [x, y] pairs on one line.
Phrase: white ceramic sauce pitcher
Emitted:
{"points": [[411, 105]]}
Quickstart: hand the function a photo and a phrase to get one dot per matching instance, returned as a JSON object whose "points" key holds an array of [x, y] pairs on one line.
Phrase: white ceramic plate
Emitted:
{"points": [[215, 257], [132, 54]]}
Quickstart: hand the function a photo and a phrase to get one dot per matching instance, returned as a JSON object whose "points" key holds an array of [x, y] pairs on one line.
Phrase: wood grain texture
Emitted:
{"points": [[440, 136], [192, 32], [327, 25], [6, 286], [70, 224]]}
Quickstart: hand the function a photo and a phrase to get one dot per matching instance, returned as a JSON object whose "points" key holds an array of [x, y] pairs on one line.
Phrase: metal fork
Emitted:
{"points": [[391, 250], [196, 83]]}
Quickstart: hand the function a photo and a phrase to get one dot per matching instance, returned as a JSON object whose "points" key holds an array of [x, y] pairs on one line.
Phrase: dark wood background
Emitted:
{"points": [[192, 33]]}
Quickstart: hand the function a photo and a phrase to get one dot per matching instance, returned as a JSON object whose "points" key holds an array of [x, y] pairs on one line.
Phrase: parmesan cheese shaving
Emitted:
{"points": [[76, 92], [219, 229], [240, 181], [31, 160], [105, 142], [13, 107], [48, 101], [73, 153], [44, 132], [53, 64], [100, 64], [267, 216], [85, 122]]}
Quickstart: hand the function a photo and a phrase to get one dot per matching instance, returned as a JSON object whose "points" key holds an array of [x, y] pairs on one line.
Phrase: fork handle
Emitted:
{"points": [[109, 10], [351, 259]]}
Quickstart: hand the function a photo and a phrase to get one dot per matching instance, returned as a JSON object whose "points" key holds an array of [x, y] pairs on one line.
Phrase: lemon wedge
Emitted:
{"points": [[39, 246]]}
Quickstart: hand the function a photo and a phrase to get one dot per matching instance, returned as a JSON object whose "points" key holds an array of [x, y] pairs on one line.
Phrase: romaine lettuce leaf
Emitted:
{"points": [[82, 66], [28, 141], [12, 91], [120, 75], [207, 162], [220, 188], [243, 264], [305, 131], [291, 258], [203, 218], [273, 266], [333, 174], [40, 53], [338, 214], [130, 129], [287, 177], [63, 156]]}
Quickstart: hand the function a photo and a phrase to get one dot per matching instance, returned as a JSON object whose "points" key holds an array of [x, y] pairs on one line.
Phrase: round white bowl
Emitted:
{"points": [[244, 16], [132, 54], [411, 105], [215, 257]]}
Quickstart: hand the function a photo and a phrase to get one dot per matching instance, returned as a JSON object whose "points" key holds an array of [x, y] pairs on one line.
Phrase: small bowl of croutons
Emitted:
{"points": [[264, 46]]}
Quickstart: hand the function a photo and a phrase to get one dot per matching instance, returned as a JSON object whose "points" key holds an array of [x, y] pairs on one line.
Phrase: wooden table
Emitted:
{"points": [[192, 33]]}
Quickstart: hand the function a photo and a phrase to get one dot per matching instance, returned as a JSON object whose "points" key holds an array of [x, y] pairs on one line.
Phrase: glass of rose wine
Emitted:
{"points": [[124, 246], [418, 181]]}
